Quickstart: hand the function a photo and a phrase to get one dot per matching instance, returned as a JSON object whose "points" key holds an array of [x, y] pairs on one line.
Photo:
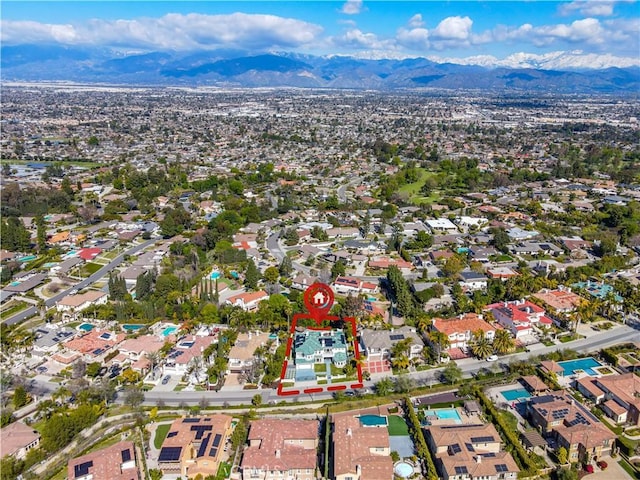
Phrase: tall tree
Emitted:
{"points": [[41, 233], [286, 267], [251, 275]]}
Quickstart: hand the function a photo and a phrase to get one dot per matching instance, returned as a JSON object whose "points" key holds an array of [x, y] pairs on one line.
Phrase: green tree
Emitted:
{"points": [[155, 474], [480, 345], [440, 341], [251, 275], [41, 233], [319, 234], [384, 387], [133, 397], [563, 455], [291, 237], [256, 400], [452, 373], [20, 397], [503, 342], [452, 266], [286, 267], [338, 269], [271, 274]]}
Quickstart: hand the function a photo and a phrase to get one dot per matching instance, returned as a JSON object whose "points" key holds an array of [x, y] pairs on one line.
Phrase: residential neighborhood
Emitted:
{"points": [[155, 265]]}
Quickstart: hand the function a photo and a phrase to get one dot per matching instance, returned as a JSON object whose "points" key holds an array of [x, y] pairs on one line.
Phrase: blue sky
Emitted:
{"points": [[375, 29]]}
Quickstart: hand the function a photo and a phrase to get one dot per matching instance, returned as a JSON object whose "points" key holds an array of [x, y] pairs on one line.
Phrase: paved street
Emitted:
{"points": [[50, 302], [469, 366]]}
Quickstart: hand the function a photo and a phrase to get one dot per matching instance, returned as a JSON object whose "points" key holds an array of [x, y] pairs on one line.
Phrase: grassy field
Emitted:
{"points": [[161, 434], [397, 426], [412, 190]]}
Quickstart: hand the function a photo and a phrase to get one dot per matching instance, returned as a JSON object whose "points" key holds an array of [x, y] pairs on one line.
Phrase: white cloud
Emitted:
{"points": [[173, 31], [415, 39], [352, 7], [593, 8], [453, 28], [416, 21]]}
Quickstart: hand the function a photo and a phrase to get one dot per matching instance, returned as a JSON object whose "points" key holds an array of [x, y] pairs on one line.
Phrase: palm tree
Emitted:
{"points": [[503, 342], [440, 341], [154, 358], [480, 345], [585, 312], [400, 362]]}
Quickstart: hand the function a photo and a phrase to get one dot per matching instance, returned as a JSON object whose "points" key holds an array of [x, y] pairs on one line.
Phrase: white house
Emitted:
{"points": [[248, 301], [80, 301]]}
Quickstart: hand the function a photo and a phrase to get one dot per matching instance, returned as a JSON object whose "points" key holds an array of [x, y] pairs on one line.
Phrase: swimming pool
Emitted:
{"points": [[444, 414], [215, 275], [403, 469], [585, 364], [14, 284], [168, 331], [28, 258], [515, 394], [373, 420], [87, 327], [132, 327]]}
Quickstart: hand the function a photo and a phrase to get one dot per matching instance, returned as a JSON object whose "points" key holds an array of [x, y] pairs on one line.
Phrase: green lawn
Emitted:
{"points": [[320, 368], [397, 426], [13, 309], [161, 434], [412, 190], [223, 471], [93, 267]]}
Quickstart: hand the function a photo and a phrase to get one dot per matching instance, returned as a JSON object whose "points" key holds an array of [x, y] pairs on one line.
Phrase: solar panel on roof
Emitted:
{"points": [[216, 440], [190, 420], [170, 454], [82, 469], [126, 455], [396, 337], [461, 470], [455, 448], [368, 307], [489, 455], [172, 434], [213, 452], [203, 445], [501, 467], [482, 439]]}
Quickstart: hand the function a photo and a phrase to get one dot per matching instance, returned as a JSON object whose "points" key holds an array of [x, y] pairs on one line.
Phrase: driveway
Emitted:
{"points": [[613, 472]]}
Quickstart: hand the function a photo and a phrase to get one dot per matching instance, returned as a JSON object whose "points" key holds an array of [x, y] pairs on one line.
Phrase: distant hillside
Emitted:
{"points": [[240, 69]]}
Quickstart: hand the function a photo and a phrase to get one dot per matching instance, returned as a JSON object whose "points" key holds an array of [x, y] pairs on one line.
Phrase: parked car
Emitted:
{"points": [[602, 464], [588, 468], [492, 358], [166, 379]]}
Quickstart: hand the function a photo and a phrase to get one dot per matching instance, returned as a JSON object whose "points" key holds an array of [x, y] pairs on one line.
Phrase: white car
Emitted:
{"points": [[492, 358]]}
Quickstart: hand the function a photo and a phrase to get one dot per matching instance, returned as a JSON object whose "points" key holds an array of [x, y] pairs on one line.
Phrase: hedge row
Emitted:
{"points": [[420, 442], [520, 455]]}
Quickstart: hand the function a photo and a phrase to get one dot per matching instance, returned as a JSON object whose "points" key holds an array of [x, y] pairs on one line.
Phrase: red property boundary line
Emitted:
{"points": [[318, 308]]}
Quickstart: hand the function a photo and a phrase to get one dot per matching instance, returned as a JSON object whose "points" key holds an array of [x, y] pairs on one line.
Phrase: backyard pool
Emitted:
{"points": [[403, 469], [28, 258], [373, 421], [585, 364], [87, 327], [444, 414], [215, 275], [168, 331], [132, 327], [515, 394]]}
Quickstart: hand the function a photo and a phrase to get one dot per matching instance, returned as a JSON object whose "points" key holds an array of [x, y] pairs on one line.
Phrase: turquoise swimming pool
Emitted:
{"points": [[168, 331], [585, 364], [373, 420], [132, 327], [28, 258], [444, 414], [215, 275], [87, 327], [515, 394]]}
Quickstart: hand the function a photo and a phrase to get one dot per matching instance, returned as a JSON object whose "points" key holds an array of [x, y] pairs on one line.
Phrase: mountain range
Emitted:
{"points": [[551, 73]]}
